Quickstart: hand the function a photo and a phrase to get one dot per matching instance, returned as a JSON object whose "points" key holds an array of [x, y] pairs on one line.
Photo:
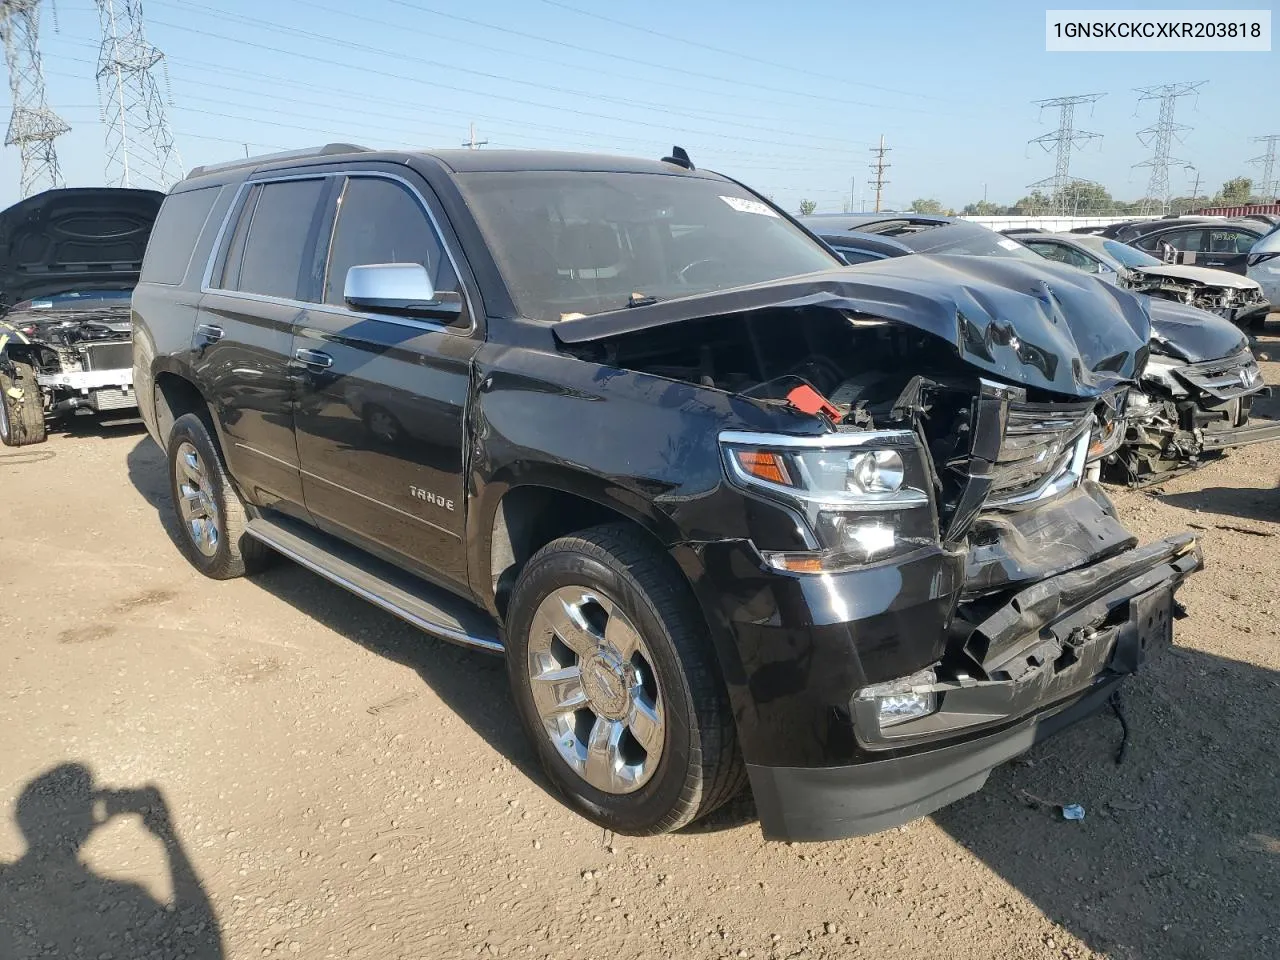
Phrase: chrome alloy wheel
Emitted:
{"points": [[195, 502], [595, 689]]}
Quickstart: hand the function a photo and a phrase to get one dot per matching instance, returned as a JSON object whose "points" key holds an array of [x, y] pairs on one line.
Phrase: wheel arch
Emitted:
{"points": [[520, 515]]}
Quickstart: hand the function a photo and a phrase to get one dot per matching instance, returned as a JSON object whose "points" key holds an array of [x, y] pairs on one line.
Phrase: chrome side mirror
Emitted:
{"points": [[400, 288]]}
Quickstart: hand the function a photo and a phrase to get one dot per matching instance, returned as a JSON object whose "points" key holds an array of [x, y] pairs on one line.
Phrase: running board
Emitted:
{"points": [[429, 608]]}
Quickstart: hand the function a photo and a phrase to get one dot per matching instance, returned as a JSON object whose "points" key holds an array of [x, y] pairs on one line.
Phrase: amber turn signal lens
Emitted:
{"points": [[764, 466]]}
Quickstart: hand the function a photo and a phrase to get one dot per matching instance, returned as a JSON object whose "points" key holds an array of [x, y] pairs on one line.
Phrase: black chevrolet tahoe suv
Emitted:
{"points": [[732, 510]]}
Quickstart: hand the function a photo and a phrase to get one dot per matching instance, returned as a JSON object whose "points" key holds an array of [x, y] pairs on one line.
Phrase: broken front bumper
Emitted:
{"points": [[1255, 431], [1058, 647]]}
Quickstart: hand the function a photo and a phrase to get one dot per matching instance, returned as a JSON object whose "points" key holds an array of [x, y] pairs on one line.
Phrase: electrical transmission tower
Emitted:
{"points": [[33, 126], [1063, 141], [1160, 138], [878, 168], [1268, 188], [140, 148]]}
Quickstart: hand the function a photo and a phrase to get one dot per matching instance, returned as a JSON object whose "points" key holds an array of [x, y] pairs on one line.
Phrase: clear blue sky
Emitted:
{"points": [[789, 100]]}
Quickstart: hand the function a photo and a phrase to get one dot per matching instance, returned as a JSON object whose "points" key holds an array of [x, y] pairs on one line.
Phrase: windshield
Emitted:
{"points": [[964, 239], [572, 243], [1127, 255]]}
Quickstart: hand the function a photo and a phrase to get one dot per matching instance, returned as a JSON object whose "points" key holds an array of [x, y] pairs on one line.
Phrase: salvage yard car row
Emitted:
{"points": [[737, 514]]}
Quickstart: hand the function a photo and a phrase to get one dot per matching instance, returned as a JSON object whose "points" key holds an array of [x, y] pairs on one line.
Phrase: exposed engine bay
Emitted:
{"points": [[79, 359], [1230, 303]]}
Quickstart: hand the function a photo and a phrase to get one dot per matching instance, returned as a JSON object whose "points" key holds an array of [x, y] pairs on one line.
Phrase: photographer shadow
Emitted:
{"points": [[52, 904]]}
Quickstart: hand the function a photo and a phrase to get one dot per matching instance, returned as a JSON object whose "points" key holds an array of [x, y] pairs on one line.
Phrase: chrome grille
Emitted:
{"points": [[1040, 440], [114, 355]]}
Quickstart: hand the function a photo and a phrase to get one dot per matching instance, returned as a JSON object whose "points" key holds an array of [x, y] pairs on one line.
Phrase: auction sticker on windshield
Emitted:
{"points": [[742, 205]]}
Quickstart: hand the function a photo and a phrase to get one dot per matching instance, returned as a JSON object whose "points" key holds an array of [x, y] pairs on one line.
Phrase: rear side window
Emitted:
{"points": [[380, 221], [173, 238], [1186, 241], [272, 239]]}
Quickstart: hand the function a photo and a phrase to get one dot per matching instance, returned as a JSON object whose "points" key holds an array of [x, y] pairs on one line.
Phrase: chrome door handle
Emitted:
{"points": [[313, 358], [208, 333]]}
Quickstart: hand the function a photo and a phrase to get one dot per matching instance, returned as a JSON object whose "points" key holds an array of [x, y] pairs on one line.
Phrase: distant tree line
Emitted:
{"points": [[1093, 199], [1084, 199]]}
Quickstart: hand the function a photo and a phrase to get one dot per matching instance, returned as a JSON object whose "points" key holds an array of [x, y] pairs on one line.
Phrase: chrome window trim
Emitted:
{"points": [[206, 284]]}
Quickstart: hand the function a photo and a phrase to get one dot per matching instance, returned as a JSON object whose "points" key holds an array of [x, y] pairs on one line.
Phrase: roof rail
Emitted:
{"points": [[328, 150]]}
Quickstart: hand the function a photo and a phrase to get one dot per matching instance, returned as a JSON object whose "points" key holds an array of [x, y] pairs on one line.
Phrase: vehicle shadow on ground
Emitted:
{"points": [[51, 904], [93, 428], [1179, 851], [471, 683], [1249, 503]]}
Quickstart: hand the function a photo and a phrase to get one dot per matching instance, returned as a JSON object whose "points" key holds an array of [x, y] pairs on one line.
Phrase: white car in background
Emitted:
{"points": [[1264, 266]]}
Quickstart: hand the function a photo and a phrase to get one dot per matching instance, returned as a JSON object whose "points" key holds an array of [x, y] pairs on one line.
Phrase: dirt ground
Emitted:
{"points": [[338, 785]]}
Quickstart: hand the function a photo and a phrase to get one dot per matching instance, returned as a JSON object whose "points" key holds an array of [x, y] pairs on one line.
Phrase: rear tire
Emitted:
{"points": [[210, 514], [21, 407], [630, 717]]}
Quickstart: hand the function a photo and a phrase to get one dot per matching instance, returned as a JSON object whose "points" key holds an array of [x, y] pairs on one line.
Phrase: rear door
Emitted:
{"points": [[381, 398], [244, 332]]}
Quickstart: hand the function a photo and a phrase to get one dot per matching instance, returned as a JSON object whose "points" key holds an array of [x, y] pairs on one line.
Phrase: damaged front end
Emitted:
{"points": [[1243, 304], [1195, 400], [956, 582], [82, 357]]}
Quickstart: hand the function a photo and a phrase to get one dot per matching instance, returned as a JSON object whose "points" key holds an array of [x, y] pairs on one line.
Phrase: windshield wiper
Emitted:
{"points": [[641, 300]]}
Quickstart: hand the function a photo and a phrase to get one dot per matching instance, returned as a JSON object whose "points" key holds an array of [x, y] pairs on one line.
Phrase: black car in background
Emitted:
{"points": [[68, 262], [732, 511], [1197, 387]]}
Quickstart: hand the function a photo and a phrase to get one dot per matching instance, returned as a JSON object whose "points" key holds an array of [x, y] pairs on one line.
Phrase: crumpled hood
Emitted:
{"points": [[1033, 324], [1207, 275], [1191, 334]]}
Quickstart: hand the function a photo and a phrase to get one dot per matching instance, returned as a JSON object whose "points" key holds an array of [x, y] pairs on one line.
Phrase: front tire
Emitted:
{"points": [[617, 686], [21, 407], [210, 513]]}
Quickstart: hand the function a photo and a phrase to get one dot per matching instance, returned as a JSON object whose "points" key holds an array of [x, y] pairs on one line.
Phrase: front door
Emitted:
{"points": [[381, 399]]}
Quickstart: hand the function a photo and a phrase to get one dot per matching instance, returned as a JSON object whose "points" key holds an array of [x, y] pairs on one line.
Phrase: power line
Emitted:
{"points": [[624, 58], [259, 94], [878, 168], [737, 54], [1160, 137], [33, 126], [1267, 186], [447, 69], [139, 143], [1063, 141]]}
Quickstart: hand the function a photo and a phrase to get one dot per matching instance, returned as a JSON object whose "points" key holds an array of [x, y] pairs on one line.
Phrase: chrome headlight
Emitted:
{"points": [[863, 496]]}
